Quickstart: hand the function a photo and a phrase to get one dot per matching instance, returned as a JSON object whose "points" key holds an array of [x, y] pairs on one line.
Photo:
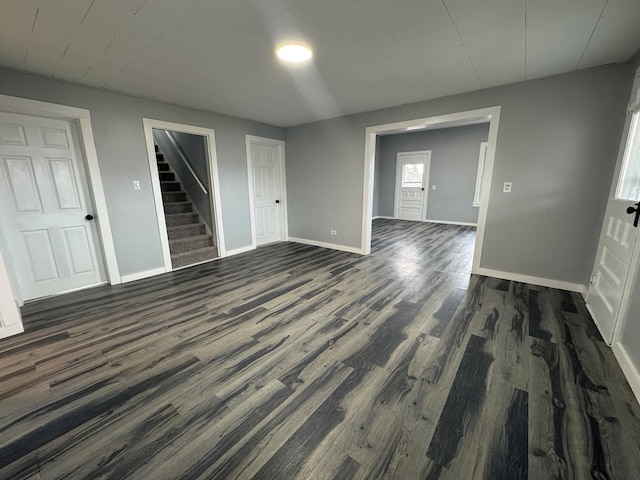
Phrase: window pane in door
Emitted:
{"points": [[629, 186], [412, 174]]}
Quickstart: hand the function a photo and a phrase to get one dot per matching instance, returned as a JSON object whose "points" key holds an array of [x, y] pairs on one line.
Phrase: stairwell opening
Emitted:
{"points": [[182, 161]]}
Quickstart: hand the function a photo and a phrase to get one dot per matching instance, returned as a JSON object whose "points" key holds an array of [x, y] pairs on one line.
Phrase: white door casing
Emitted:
{"points": [[266, 174], [214, 185], [45, 198], [412, 178]]}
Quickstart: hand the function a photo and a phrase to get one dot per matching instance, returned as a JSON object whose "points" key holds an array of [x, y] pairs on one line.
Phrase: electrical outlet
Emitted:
{"points": [[433, 187], [334, 232], [136, 184], [506, 187]]}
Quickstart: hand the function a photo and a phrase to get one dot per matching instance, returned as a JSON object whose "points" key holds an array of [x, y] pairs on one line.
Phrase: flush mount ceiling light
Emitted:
{"points": [[294, 53]]}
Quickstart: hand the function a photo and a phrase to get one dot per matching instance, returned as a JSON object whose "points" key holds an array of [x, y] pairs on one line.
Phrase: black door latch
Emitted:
{"points": [[631, 210]]}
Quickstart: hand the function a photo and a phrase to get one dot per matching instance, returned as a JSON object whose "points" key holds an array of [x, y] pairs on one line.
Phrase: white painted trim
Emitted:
{"points": [[543, 282], [284, 219], [332, 246], [238, 251], [132, 277], [82, 119], [447, 222], [99, 201], [214, 182], [490, 114], [628, 368], [384, 216], [478, 186], [10, 318], [11, 330]]}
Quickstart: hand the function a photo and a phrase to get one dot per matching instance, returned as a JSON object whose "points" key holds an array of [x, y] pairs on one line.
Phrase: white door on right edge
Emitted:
{"points": [[412, 177], [617, 241]]}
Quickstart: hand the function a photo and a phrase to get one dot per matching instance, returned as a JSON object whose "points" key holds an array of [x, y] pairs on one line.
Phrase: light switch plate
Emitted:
{"points": [[136, 184], [506, 187]]}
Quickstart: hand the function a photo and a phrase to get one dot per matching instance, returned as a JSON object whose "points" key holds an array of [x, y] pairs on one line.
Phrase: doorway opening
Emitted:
{"points": [[184, 174], [489, 115]]}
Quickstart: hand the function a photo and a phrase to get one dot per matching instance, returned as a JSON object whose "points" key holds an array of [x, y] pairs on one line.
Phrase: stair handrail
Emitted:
{"points": [[183, 157]]}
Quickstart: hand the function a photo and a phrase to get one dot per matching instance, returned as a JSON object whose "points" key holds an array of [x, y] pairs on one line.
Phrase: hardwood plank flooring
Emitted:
{"points": [[297, 362]]}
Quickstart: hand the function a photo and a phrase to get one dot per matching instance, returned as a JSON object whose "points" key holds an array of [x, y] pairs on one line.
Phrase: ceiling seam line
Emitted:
{"points": [[592, 33], [35, 19], [401, 46], [87, 12], [464, 47]]}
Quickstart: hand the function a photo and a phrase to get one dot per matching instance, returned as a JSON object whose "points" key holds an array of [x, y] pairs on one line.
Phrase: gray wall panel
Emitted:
{"points": [[557, 143]]}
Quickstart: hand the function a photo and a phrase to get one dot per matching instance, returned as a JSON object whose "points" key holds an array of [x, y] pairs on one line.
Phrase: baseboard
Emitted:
{"points": [[631, 374], [238, 251], [11, 330], [384, 217], [447, 222], [332, 246], [140, 275], [543, 282]]}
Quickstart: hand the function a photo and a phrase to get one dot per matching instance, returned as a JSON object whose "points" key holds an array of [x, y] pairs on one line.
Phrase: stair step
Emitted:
{"points": [[169, 197], [167, 176], [159, 157], [177, 207], [188, 230], [186, 244], [163, 167], [170, 186], [156, 148], [178, 219], [194, 256]]}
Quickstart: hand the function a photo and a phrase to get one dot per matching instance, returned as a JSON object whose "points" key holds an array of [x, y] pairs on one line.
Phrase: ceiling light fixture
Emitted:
{"points": [[294, 53]]}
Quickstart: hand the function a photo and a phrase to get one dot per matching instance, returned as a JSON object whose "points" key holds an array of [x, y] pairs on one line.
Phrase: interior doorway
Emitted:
{"points": [[412, 176], [489, 115], [186, 194]]}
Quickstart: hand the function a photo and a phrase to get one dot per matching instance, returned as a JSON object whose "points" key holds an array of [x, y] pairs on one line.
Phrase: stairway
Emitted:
{"points": [[189, 241]]}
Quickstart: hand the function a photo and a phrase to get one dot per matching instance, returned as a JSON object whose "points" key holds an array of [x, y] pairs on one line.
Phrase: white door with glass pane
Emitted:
{"points": [[412, 177], [45, 211], [265, 168], [615, 258]]}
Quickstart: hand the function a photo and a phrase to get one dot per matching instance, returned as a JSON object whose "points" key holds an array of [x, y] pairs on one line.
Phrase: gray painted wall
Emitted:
{"points": [[454, 167], [557, 143], [193, 148], [122, 155]]}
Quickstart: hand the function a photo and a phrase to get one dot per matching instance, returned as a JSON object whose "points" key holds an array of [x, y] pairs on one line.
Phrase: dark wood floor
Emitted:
{"points": [[299, 362]]}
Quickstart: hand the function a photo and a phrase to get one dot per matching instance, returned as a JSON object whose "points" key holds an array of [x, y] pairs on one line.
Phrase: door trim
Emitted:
{"points": [[284, 217], [469, 117], [214, 182], [82, 119], [425, 182]]}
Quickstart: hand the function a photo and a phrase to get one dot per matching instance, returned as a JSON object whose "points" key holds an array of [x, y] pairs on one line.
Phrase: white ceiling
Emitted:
{"points": [[218, 55]]}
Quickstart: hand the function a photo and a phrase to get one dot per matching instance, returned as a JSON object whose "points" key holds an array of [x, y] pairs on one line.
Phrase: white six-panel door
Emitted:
{"points": [[412, 177], [43, 204], [267, 192]]}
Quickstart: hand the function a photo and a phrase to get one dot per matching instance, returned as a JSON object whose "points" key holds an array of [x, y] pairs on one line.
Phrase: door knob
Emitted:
{"points": [[631, 210], [89, 217], [277, 201]]}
